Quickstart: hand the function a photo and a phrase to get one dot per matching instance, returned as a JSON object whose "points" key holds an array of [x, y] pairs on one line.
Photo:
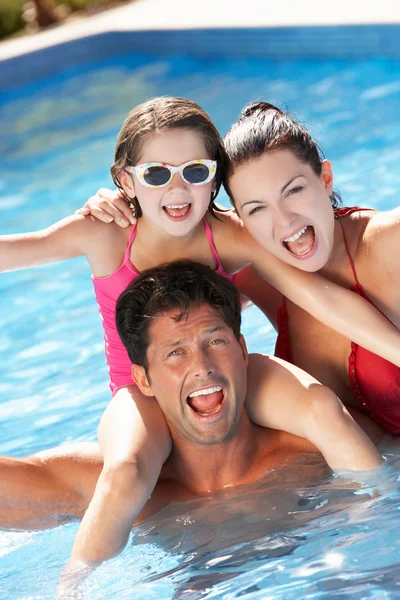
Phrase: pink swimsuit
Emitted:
{"points": [[107, 291]]}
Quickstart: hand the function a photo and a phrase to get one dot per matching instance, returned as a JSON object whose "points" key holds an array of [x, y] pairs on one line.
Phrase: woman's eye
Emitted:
{"points": [[254, 210], [295, 190]]}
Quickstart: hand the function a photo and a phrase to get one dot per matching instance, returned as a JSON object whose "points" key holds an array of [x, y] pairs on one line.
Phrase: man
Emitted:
{"points": [[181, 326]]}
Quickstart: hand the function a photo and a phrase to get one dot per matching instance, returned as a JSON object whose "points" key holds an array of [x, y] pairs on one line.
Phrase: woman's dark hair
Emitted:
{"points": [[161, 114], [262, 127], [181, 285]]}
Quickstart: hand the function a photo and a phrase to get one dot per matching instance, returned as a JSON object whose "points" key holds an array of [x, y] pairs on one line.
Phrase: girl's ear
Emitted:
{"points": [[139, 375], [327, 176], [126, 180]]}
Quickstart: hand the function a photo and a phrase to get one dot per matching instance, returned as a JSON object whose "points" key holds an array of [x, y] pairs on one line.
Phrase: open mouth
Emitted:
{"points": [[207, 402], [302, 243], [177, 212]]}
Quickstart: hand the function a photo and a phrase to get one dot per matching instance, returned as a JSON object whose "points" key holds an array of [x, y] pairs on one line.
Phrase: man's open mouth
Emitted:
{"points": [[177, 212], [206, 402], [302, 243]]}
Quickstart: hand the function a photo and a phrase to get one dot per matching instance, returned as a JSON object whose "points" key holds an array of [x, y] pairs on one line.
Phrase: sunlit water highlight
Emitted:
{"points": [[299, 532]]}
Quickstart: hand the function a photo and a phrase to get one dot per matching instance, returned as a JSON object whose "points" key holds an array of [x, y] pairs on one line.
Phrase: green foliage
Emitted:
{"points": [[11, 19], [10, 16]]}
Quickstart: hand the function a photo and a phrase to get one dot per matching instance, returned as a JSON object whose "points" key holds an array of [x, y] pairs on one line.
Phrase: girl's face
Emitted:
{"points": [[178, 207], [286, 207]]}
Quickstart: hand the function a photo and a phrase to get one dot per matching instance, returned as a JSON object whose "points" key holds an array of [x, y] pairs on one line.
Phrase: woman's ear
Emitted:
{"points": [[139, 375], [126, 180], [327, 176]]}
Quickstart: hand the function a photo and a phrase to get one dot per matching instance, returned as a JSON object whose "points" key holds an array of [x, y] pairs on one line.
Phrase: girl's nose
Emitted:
{"points": [[177, 182]]}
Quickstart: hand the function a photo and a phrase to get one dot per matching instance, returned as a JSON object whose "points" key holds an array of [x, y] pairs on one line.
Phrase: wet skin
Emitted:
{"points": [[209, 453], [273, 212]]}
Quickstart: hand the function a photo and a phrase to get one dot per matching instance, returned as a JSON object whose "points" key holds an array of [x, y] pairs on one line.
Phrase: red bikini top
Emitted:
{"points": [[374, 381]]}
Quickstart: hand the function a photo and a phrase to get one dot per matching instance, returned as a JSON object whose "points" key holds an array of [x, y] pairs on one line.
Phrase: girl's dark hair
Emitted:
{"points": [[160, 114], [262, 127], [180, 285]]}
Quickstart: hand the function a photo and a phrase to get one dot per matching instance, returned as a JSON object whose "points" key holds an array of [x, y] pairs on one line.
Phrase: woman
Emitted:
{"points": [[274, 180], [274, 165]]}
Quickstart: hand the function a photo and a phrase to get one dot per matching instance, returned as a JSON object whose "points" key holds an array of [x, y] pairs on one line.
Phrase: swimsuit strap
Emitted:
{"points": [[350, 257], [210, 238], [132, 236], [339, 214]]}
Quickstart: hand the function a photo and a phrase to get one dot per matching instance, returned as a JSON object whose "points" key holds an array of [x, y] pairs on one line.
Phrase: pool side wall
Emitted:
{"points": [[325, 42]]}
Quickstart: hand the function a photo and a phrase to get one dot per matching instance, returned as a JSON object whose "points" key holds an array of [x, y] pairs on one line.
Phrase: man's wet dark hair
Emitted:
{"points": [[180, 285]]}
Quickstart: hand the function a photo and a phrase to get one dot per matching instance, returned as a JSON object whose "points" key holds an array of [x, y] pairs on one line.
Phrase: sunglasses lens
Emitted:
{"points": [[196, 173], [156, 175]]}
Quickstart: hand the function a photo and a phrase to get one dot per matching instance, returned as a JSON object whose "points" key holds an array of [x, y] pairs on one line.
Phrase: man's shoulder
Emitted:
{"points": [[279, 446], [265, 368]]}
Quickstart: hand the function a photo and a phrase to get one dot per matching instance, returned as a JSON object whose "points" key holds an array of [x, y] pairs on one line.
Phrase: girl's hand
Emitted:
{"points": [[107, 206]]}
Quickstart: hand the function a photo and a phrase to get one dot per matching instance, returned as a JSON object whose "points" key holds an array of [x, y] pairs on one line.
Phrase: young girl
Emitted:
{"points": [[169, 162]]}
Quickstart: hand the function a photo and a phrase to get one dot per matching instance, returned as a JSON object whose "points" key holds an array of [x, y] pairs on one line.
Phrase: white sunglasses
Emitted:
{"points": [[193, 172]]}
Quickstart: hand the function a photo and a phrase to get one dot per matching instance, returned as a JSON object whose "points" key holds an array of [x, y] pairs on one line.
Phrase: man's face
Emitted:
{"points": [[197, 370]]}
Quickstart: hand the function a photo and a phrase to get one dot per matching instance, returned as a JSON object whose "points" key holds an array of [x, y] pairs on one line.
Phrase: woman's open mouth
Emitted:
{"points": [[177, 212], [207, 403], [302, 244]]}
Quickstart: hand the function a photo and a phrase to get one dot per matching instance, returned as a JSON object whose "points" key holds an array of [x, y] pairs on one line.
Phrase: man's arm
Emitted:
{"points": [[282, 396], [47, 488]]}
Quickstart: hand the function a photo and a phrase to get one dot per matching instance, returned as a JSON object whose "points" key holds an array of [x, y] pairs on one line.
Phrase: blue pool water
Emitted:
{"points": [[298, 533]]}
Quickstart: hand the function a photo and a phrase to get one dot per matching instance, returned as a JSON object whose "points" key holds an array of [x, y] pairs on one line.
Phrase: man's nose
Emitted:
{"points": [[202, 364]]}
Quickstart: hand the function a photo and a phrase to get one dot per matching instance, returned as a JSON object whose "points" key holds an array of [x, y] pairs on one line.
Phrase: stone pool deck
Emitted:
{"points": [[146, 15]]}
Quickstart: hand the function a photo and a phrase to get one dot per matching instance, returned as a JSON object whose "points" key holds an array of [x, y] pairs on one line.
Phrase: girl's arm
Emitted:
{"points": [[66, 239], [284, 397], [337, 307]]}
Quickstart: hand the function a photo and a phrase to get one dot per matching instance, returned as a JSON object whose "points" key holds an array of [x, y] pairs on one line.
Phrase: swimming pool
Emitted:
{"points": [[58, 133]]}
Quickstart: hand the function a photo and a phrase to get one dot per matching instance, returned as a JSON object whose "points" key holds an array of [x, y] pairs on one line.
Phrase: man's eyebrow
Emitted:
{"points": [[216, 328], [209, 331]]}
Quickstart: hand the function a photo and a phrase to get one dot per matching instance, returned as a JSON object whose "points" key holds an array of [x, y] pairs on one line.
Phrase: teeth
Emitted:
{"points": [[297, 235], [211, 390], [177, 205]]}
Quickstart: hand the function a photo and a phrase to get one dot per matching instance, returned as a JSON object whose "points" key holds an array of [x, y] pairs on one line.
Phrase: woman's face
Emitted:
{"points": [[286, 207], [178, 207]]}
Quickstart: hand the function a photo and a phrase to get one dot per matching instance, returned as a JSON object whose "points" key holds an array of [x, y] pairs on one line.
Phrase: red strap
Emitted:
{"points": [[349, 256]]}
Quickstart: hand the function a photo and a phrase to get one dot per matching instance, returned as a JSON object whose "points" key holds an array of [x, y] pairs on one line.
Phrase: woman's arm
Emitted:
{"points": [[340, 309], [107, 206]]}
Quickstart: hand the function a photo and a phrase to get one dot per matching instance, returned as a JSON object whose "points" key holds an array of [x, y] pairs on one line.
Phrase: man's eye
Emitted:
{"points": [[175, 352], [216, 342]]}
